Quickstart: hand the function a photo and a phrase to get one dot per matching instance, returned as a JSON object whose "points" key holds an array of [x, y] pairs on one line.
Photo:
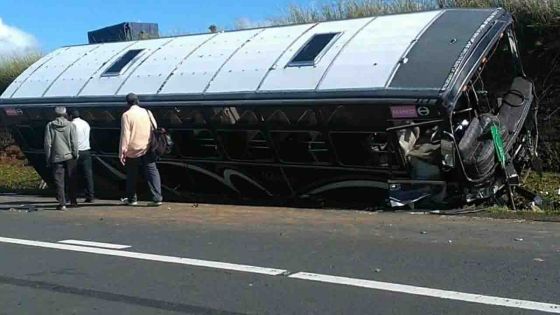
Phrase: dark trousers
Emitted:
{"points": [[84, 169], [64, 174], [151, 173]]}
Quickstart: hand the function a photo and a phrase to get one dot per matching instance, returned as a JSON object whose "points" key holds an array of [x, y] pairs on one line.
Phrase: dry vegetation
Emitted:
{"points": [[531, 11]]}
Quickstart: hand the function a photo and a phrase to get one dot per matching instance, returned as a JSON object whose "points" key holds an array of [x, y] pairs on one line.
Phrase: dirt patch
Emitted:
{"points": [[226, 215]]}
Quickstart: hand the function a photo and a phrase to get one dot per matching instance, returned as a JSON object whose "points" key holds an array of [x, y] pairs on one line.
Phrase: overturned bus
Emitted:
{"points": [[429, 107]]}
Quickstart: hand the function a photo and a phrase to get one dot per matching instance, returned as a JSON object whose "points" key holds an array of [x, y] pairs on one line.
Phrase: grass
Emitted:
{"points": [[499, 212], [547, 185], [15, 176], [529, 11]]}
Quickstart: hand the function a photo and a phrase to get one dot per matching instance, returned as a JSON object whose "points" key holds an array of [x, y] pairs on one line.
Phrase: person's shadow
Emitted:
{"points": [[32, 206]]}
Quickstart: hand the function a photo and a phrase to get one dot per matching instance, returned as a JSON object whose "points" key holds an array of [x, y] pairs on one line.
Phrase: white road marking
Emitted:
{"points": [[143, 256], [95, 244], [369, 284], [442, 294]]}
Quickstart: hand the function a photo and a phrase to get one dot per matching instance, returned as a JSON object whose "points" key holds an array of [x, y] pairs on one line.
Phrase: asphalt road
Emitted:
{"points": [[252, 260]]}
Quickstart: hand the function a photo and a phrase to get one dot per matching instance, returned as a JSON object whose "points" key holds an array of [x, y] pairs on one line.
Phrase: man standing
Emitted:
{"points": [[61, 150], [136, 130], [84, 159]]}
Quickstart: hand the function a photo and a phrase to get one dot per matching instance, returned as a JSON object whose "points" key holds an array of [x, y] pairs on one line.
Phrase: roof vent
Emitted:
{"points": [[123, 62], [313, 50]]}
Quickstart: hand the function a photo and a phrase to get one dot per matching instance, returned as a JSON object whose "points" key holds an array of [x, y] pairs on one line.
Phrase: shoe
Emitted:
{"points": [[73, 204], [129, 203], [89, 200], [61, 208], [155, 203]]}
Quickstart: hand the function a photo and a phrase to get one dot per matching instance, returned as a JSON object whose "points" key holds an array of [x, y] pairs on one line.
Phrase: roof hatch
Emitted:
{"points": [[124, 61], [313, 50]]}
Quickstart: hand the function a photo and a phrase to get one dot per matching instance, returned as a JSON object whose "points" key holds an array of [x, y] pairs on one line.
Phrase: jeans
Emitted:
{"points": [[64, 174], [151, 173], [84, 167]]}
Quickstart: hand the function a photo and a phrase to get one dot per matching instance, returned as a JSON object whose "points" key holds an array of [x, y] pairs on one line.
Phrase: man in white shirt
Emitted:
{"points": [[84, 156]]}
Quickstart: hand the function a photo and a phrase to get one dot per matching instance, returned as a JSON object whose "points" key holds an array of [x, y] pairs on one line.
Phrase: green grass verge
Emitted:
{"points": [[547, 185], [16, 177], [506, 213]]}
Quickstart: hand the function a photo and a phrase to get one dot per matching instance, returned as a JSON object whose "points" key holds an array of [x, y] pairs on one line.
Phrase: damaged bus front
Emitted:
{"points": [[485, 135]]}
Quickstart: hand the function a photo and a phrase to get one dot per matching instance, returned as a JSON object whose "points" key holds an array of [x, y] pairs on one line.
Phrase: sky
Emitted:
{"points": [[44, 25]]}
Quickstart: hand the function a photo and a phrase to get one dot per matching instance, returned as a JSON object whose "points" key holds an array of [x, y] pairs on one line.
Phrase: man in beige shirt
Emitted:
{"points": [[136, 131]]}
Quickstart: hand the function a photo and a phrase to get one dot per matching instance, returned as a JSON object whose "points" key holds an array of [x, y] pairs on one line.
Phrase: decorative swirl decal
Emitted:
{"points": [[225, 180], [347, 184]]}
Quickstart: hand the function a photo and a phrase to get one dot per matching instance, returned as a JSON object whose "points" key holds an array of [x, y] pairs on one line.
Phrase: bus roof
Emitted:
{"points": [[403, 55]]}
